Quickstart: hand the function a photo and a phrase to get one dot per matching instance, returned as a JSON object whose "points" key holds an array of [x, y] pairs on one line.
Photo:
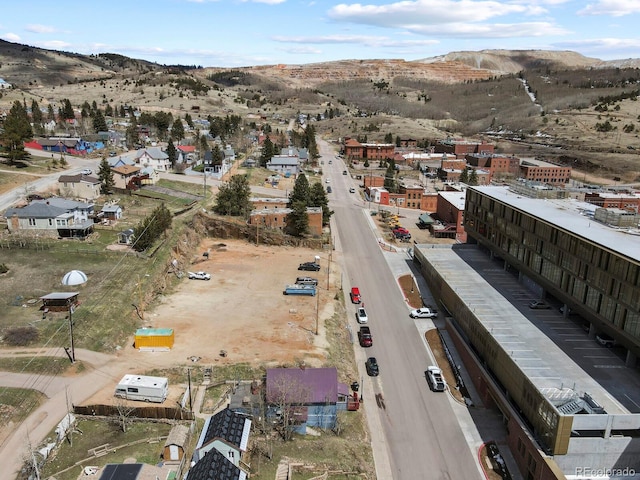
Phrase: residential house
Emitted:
{"points": [[215, 466], [67, 218], [119, 161], [314, 396], [111, 211], [229, 153], [81, 186], [284, 164], [222, 442], [127, 177], [153, 157]]}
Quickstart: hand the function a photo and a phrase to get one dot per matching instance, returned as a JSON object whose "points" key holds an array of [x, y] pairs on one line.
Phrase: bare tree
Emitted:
{"points": [[124, 412], [290, 397]]}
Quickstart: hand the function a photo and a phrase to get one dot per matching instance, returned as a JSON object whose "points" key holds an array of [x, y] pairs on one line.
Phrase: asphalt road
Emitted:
{"points": [[415, 432]]}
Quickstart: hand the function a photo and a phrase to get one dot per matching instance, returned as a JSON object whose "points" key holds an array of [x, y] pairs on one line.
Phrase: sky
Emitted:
{"points": [[235, 33]]}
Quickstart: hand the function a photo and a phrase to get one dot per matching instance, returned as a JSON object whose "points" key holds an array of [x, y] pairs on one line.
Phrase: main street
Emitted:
{"points": [[415, 432]]}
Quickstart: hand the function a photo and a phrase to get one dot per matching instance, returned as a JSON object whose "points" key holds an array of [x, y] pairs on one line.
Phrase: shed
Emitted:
{"points": [[59, 301], [175, 444], [127, 236], [154, 339]]}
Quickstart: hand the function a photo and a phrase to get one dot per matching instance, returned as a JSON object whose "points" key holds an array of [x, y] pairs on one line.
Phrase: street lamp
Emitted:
{"points": [[72, 278]]}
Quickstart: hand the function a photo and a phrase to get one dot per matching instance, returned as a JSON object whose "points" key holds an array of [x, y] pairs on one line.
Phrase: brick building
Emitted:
{"points": [[276, 218], [623, 201], [544, 172], [496, 165], [461, 148], [354, 150]]}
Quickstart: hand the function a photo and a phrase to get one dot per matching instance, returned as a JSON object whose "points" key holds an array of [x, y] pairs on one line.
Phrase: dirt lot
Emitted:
{"points": [[241, 310]]}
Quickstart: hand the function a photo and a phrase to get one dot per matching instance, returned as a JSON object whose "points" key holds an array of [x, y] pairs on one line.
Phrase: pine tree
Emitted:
{"points": [[216, 155], [318, 198], [464, 176], [390, 182], [36, 116], [17, 129], [50, 113], [172, 153], [473, 177], [177, 130], [298, 220], [105, 174], [99, 123], [267, 152], [233, 197], [300, 192], [67, 110]]}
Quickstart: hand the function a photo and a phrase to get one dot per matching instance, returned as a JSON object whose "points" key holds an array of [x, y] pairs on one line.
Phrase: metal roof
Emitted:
{"points": [[569, 215]]}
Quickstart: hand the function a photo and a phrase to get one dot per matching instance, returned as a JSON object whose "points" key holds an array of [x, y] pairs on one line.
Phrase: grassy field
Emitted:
{"points": [[99, 432], [117, 279], [17, 403], [51, 365]]}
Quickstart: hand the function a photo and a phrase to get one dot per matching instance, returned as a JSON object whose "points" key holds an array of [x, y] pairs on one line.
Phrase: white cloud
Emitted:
{"points": [[428, 12], [37, 28], [488, 30], [369, 41], [615, 8], [11, 37], [619, 44], [54, 44], [301, 50]]}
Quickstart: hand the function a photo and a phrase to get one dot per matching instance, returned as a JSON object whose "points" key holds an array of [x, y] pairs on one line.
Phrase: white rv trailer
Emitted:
{"points": [[144, 388]]}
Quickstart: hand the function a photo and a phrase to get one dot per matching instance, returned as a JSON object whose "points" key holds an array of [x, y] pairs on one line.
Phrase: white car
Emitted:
{"points": [[361, 315], [199, 276], [352, 190], [423, 313], [86, 171], [328, 180]]}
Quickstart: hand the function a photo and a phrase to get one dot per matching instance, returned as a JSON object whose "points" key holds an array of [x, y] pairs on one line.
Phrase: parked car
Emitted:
{"points": [[306, 281], [355, 295], [539, 305], [112, 154], [352, 190], [373, 370], [344, 172], [605, 340], [199, 276], [329, 189], [309, 266], [424, 312], [86, 171], [328, 180], [435, 379], [364, 337], [361, 315]]}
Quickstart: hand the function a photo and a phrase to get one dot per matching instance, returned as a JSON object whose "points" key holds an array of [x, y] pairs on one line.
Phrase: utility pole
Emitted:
{"points": [[190, 395], [317, 309]]}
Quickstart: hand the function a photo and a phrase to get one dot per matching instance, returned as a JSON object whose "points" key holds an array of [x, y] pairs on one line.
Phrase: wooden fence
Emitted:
{"points": [[170, 413]]}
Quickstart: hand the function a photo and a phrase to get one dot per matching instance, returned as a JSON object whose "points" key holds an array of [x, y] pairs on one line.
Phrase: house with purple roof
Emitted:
{"points": [[305, 397]]}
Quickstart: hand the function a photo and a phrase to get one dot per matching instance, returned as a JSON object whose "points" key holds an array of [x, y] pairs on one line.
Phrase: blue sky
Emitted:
{"points": [[228, 33]]}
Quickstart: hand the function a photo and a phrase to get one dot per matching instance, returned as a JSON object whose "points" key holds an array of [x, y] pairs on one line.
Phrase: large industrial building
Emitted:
{"points": [[561, 422], [591, 266]]}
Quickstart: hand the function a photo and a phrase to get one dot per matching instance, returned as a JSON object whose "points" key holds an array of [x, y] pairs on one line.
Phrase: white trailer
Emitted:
{"points": [[142, 387]]}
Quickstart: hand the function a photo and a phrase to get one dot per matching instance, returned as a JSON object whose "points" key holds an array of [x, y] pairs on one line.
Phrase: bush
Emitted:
{"points": [[3, 268], [21, 336]]}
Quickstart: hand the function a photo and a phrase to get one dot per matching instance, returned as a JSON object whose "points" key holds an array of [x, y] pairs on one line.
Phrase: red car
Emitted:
{"points": [[400, 230], [355, 295]]}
